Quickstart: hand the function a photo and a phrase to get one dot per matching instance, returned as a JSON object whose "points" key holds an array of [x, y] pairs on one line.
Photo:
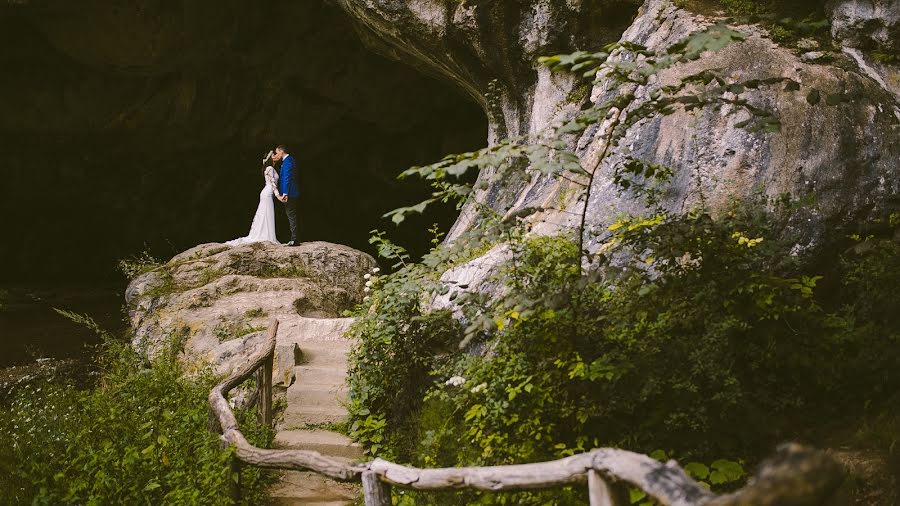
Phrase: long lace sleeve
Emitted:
{"points": [[272, 180]]}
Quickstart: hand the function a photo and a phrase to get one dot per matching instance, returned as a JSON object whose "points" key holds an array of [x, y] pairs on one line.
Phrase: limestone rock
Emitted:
{"points": [[218, 298], [845, 155], [867, 24], [869, 31]]}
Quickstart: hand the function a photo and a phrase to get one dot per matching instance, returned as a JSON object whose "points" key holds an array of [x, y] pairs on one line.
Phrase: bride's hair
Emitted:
{"points": [[267, 160]]}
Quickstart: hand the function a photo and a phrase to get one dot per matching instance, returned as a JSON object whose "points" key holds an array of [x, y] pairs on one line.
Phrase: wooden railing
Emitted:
{"points": [[795, 475]]}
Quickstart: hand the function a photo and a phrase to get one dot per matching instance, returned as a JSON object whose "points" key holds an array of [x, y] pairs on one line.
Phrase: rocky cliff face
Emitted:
{"points": [[215, 300], [844, 156], [869, 33], [473, 44]]}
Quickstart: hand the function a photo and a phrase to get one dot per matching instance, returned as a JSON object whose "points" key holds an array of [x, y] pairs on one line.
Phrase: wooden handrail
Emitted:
{"points": [[796, 475]]}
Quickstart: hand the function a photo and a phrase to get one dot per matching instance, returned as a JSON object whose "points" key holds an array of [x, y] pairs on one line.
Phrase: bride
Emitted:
{"points": [[263, 226]]}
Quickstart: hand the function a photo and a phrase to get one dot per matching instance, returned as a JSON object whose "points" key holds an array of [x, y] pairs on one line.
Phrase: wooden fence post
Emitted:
{"points": [[375, 491], [264, 389], [603, 493], [234, 478]]}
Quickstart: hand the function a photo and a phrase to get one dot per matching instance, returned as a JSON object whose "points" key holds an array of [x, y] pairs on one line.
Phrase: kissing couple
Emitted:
{"points": [[285, 188]]}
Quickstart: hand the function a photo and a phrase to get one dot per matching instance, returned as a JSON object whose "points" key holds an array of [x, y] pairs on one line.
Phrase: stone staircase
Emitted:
{"points": [[311, 362]]}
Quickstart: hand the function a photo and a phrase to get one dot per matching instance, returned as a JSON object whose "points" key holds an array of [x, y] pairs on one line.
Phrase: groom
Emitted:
{"points": [[289, 188]]}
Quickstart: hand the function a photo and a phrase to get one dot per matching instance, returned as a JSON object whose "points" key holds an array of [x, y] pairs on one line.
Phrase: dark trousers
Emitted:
{"points": [[290, 209]]}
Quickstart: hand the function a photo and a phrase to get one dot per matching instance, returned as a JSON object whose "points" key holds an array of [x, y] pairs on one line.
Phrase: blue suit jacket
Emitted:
{"points": [[287, 180]]}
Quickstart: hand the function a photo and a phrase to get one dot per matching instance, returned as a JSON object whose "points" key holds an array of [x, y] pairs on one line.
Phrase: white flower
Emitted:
{"points": [[455, 381], [376, 270], [367, 276], [369, 283], [366, 298], [479, 388], [366, 289]]}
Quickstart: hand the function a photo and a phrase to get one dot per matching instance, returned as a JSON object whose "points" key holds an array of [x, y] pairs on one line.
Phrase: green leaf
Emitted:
{"points": [[697, 470], [636, 495], [730, 471], [659, 455], [717, 478]]}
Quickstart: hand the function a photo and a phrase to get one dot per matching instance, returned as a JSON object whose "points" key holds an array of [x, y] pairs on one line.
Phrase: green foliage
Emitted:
{"points": [[787, 22], [255, 313], [396, 352], [165, 284], [721, 475], [136, 265], [707, 337], [138, 437], [226, 331], [885, 58]]}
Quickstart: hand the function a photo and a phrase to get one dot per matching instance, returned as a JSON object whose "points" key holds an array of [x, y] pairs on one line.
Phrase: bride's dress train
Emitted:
{"points": [[263, 226]]}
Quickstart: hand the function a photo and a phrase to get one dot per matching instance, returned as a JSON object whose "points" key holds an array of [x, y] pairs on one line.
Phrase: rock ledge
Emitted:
{"points": [[218, 298]]}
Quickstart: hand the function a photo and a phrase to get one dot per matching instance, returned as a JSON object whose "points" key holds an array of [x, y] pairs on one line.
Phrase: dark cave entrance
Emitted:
{"points": [[129, 127]]}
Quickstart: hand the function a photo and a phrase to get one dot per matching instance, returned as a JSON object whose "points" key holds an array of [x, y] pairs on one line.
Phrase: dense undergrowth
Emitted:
{"points": [[137, 434], [706, 338]]}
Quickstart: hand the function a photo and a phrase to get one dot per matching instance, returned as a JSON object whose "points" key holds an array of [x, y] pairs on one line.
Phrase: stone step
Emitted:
{"points": [[306, 488], [323, 356], [325, 442], [301, 396], [313, 415], [299, 328], [318, 375], [295, 501]]}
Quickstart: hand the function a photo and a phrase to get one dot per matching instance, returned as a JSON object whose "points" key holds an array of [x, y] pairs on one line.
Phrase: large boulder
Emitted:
{"points": [[215, 300]]}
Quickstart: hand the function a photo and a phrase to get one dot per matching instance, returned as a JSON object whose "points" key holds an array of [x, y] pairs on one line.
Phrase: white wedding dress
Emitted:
{"points": [[263, 226]]}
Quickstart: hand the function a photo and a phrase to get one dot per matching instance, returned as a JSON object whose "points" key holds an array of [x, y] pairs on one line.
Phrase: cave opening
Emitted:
{"points": [[130, 128]]}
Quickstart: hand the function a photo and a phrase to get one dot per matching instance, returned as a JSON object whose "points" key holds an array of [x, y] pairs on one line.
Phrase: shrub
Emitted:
{"points": [[138, 437], [699, 335], [134, 266]]}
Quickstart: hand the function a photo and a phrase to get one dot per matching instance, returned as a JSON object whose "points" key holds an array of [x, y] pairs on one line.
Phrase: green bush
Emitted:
{"points": [[138, 437], [390, 368], [700, 335]]}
